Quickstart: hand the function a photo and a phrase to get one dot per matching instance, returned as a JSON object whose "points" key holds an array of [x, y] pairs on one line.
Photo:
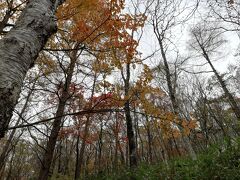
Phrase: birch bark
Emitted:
{"points": [[19, 49]]}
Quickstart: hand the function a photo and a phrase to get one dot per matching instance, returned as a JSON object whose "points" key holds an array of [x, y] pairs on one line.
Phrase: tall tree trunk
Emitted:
{"points": [[48, 156], [60, 159], [173, 99], [77, 172], [232, 102], [168, 78], [100, 144], [18, 51], [10, 167], [116, 132], [130, 131], [79, 158], [80, 154], [149, 136]]}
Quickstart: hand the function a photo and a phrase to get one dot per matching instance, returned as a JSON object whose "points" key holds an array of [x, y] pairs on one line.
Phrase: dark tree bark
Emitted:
{"points": [[172, 93], [206, 43], [19, 49], [130, 131], [48, 156], [232, 102], [80, 153], [160, 28], [100, 145]]}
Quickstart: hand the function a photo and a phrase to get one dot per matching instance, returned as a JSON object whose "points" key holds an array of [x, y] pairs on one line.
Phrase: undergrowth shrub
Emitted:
{"points": [[220, 161]]}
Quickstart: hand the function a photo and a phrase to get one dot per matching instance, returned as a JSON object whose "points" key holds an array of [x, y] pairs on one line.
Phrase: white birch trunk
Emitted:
{"points": [[18, 51]]}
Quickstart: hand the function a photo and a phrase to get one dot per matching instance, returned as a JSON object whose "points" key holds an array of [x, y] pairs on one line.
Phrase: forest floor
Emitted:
{"points": [[221, 161]]}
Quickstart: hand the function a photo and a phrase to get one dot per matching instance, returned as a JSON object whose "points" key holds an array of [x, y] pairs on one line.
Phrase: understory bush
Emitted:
{"points": [[221, 161]]}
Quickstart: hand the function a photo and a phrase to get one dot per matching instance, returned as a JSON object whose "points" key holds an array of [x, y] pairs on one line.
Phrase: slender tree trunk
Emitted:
{"points": [[9, 141], [53, 163], [116, 154], [127, 154], [60, 159], [100, 143], [168, 78], [77, 172], [149, 135], [230, 97], [174, 102], [10, 167], [79, 159], [18, 51], [130, 131], [116, 132], [136, 132], [47, 158]]}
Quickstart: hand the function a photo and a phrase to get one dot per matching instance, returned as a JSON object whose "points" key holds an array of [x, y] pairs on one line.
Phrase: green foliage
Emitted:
{"points": [[220, 161], [60, 177]]}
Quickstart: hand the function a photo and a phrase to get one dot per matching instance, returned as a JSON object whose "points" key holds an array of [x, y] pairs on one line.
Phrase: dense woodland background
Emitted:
{"points": [[135, 89]]}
